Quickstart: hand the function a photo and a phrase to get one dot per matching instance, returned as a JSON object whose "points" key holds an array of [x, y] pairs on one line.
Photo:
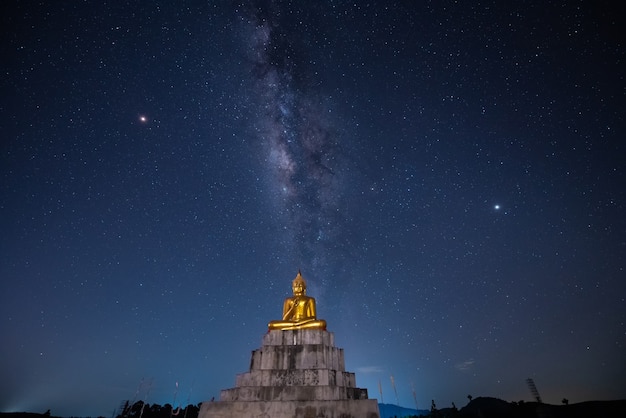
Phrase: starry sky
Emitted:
{"points": [[448, 176]]}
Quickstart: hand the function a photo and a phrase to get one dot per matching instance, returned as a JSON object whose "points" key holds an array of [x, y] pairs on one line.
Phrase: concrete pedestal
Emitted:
{"points": [[296, 373]]}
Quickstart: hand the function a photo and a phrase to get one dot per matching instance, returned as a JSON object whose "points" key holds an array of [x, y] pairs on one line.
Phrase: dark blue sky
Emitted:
{"points": [[448, 177]]}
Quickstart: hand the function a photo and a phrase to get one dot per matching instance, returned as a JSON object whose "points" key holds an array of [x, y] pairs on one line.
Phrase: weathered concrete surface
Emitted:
{"points": [[367, 408], [292, 393], [303, 357], [299, 337], [310, 377], [296, 373]]}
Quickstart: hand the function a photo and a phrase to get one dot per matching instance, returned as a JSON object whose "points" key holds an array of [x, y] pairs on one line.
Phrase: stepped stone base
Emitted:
{"points": [[367, 408], [296, 373]]}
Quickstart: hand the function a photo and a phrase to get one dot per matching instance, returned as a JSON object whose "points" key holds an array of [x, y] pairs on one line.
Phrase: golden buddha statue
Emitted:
{"points": [[299, 310]]}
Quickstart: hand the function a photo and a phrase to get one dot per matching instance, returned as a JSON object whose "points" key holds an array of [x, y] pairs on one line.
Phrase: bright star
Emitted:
{"points": [[143, 119], [496, 207]]}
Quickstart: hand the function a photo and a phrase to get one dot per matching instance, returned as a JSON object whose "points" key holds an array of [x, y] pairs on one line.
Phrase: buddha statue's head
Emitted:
{"points": [[298, 285]]}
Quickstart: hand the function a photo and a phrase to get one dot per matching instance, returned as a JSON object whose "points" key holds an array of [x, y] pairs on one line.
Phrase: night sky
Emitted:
{"points": [[450, 177]]}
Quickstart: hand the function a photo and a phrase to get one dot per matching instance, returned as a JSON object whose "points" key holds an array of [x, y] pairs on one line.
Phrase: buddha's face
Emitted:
{"points": [[298, 288]]}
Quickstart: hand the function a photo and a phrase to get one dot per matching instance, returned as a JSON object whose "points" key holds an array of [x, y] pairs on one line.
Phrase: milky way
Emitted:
{"points": [[299, 142]]}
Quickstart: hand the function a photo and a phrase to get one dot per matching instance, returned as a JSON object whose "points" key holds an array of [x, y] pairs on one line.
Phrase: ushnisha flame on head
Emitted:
{"points": [[299, 279]]}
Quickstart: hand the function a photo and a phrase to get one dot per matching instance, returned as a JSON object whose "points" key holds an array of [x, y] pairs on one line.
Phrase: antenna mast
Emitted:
{"points": [[533, 389]]}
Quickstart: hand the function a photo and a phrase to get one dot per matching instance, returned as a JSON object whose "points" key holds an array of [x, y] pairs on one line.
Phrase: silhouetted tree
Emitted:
{"points": [[157, 411], [434, 412], [469, 397], [191, 411], [125, 409], [565, 401], [135, 409]]}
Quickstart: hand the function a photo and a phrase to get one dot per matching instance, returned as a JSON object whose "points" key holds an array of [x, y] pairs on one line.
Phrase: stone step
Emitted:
{"points": [[367, 408], [298, 377], [289, 357], [291, 393]]}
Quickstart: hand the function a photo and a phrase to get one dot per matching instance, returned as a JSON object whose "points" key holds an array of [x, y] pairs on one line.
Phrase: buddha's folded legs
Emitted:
{"points": [[308, 324]]}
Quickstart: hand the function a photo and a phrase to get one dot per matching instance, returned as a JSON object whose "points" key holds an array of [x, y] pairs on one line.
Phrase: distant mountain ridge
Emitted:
{"points": [[388, 410], [485, 407], [497, 408]]}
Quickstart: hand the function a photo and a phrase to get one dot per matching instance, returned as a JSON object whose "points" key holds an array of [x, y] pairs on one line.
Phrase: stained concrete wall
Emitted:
{"points": [[293, 377], [304, 356]]}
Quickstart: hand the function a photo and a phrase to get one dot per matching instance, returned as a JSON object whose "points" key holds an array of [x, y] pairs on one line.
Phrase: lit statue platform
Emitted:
{"points": [[297, 372]]}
